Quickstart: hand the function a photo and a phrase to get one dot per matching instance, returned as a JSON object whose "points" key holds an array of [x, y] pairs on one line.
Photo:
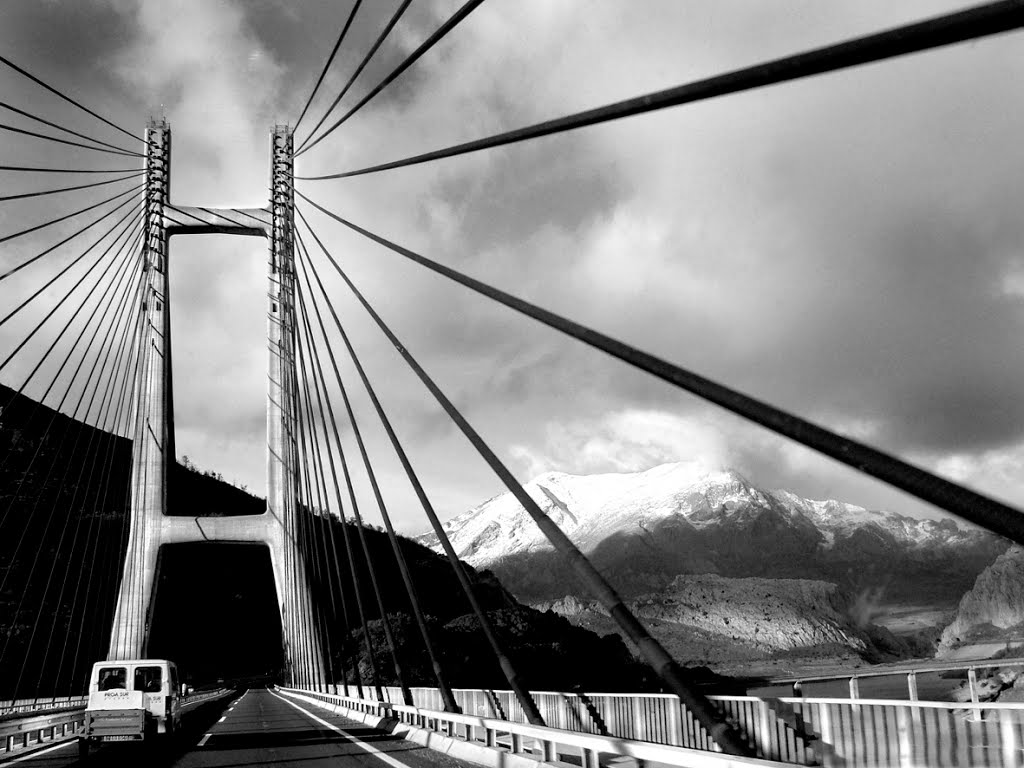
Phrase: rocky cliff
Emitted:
{"points": [[766, 615], [994, 605]]}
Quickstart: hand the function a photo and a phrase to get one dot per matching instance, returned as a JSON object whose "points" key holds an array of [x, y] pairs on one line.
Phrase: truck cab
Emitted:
{"points": [[131, 700]]}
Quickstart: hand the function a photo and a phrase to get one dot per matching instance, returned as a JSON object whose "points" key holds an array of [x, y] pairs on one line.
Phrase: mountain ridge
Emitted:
{"points": [[680, 518]]}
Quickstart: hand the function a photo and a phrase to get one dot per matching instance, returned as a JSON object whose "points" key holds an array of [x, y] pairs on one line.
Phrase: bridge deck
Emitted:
{"points": [[260, 728]]}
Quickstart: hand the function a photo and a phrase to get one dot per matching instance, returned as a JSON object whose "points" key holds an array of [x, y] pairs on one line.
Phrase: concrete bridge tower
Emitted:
{"points": [[153, 421]]}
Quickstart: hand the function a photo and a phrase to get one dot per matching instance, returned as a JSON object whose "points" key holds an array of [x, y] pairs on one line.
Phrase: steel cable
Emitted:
{"points": [[512, 675], [42, 193], [38, 119], [650, 649], [447, 696], [327, 65], [366, 60], [68, 99], [357, 517], [33, 134], [426, 45], [970, 24], [75, 234], [962, 502]]}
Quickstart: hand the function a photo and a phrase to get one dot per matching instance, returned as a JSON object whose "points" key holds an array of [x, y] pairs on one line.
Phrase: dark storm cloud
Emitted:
{"points": [[844, 246]]}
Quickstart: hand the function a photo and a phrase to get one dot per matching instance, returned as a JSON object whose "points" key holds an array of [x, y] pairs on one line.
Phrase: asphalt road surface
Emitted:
{"points": [[262, 728]]}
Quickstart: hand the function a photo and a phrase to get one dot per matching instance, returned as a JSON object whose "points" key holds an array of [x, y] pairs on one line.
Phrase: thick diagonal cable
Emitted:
{"points": [[330, 59], [389, 637], [973, 23], [650, 649], [366, 60], [67, 357], [110, 582], [44, 192], [322, 492], [109, 585], [311, 474], [311, 529], [334, 576], [316, 457], [341, 511], [39, 169], [60, 597], [68, 99], [56, 411], [962, 502], [34, 135], [103, 434], [63, 272], [99, 281], [38, 119], [74, 416], [123, 413], [74, 376], [522, 693], [447, 697], [70, 237], [453, 21], [67, 469], [360, 609]]}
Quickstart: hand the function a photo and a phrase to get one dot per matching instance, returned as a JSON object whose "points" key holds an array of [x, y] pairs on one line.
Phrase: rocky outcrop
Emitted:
{"points": [[763, 616], [996, 602], [768, 614]]}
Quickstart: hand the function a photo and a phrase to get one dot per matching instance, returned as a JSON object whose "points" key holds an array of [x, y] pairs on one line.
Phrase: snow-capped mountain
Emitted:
{"points": [[644, 528]]}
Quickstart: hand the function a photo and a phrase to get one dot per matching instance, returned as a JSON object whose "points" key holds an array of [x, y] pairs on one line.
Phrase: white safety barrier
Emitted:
{"points": [[791, 730], [490, 736], [17, 733]]}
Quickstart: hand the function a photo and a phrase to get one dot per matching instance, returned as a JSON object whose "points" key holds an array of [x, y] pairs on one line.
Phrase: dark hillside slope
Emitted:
{"points": [[63, 531]]}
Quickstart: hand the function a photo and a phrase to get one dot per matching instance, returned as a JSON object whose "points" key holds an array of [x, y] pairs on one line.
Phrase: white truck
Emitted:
{"points": [[131, 700]]}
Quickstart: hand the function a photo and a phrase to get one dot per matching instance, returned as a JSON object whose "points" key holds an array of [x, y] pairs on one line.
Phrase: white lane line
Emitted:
{"points": [[368, 747], [39, 752], [206, 738]]}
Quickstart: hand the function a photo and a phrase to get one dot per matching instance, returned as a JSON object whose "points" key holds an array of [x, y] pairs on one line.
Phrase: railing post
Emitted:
{"points": [[906, 738], [548, 752], [972, 684], [854, 688], [912, 685]]}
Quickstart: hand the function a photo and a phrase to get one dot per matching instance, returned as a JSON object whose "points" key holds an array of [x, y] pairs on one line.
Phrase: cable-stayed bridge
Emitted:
{"points": [[102, 323]]}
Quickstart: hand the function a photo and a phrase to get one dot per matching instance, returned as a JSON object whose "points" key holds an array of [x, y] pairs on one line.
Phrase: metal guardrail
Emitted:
{"points": [[546, 744], [41, 704], [909, 670], [19, 733], [31, 731], [792, 730]]}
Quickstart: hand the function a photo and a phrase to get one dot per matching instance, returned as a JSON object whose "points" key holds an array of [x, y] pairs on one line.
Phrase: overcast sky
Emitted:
{"points": [[848, 247]]}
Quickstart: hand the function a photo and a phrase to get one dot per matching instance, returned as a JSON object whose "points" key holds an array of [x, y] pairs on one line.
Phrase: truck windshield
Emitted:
{"points": [[112, 677], [147, 679]]}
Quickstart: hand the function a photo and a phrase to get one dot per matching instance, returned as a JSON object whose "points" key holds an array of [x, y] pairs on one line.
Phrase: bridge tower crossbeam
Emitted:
{"points": [[151, 527]]}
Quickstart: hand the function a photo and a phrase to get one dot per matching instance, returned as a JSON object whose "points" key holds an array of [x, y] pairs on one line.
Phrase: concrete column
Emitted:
{"points": [[153, 424], [153, 441], [303, 651]]}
